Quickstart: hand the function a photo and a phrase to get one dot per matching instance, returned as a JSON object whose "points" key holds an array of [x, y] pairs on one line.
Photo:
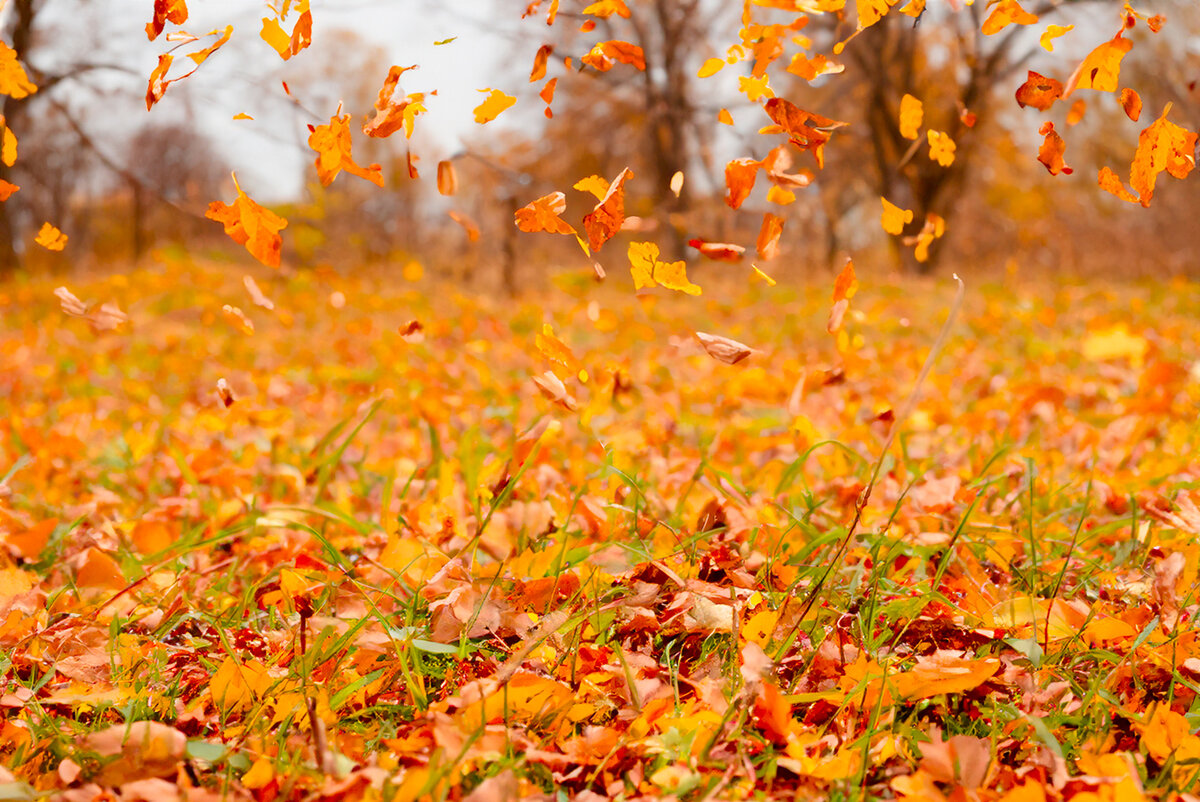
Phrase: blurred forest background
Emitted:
{"points": [[123, 183]]}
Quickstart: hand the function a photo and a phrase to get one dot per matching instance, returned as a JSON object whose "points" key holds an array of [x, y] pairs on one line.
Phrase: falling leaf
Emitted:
{"points": [[469, 225], [1076, 112], [606, 8], [711, 66], [605, 220], [594, 184], [332, 142], [1039, 91], [871, 11], [1131, 102], [1005, 13], [69, 302], [676, 183], [555, 350], [493, 105], [934, 228], [780, 196], [810, 69], [648, 271], [539, 63], [547, 93], [1050, 154], [1102, 67], [604, 55], [13, 80], [941, 148], [447, 180], [441, 42], [173, 11], [755, 89], [256, 294], [767, 244], [718, 251], [7, 189], [391, 115], [761, 276], [1162, 147], [158, 83], [224, 393], [285, 44], [1051, 33], [238, 319], [912, 114], [242, 116], [8, 144], [806, 130], [51, 238], [724, 117], [543, 215], [740, 175], [251, 225], [895, 218], [724, 349]]}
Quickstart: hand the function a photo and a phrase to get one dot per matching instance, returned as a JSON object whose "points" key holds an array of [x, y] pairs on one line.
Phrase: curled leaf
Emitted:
{"points": [[718, 251], [332, 142], [606, 218], [251, 225], [724, 349], [543, 215]]}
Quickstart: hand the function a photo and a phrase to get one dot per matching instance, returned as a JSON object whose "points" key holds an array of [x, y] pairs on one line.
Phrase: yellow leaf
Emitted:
{"points": [[941, 148], [648, 271], [1053, 32], [895, 218], [1115, 343], [723, 116], [780, 196], [710, 67], [51, 238], [492, 106], [8, 144], [944, 672], [236, 686], [1102, 67], [260, 773], [912, 114], [754, 88], [1005, 13], [597, 185]]}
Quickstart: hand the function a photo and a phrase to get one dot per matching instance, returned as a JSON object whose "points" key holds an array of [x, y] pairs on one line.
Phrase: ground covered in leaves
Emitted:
{"points": [[323, 537]]}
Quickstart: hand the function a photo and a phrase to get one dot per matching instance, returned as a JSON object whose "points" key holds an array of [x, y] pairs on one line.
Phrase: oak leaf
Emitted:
{"points": [[251, 225]]}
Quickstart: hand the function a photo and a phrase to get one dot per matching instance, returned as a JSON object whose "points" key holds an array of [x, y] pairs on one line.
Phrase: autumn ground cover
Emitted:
{"points": [[340, 543]]}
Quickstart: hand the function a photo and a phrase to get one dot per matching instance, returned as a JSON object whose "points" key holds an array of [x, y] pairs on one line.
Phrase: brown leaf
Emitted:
{"points": [[806, 130], [724, 349], [1131, 102], [136, 751], [392, 115]]}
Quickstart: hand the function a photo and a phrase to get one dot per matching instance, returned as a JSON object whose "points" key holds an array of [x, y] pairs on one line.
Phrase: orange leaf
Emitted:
{"points": [[99, 570], [158, 83], [332, 143], [1102, 67], [1075, 113], [806, 130], [469, 225], [740, 175], [447, 179], [539, 63], [1162, 147], [1132, 103], [285, 44], [810, 69], [547, 93], [492, 106], [604, 55], [6, 190], [1005, 13], [1051, 152], [871, 11], [30, 542], [251, 225], [13, 80], [718, 251], [174, 11], [605, 220], [767, 245], [724, 117], [390, 115], [555, 350], [51, 238], [543, 215], [944, 672], [1039, 91], [606, 8], [912, 114], [846, 283]]}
